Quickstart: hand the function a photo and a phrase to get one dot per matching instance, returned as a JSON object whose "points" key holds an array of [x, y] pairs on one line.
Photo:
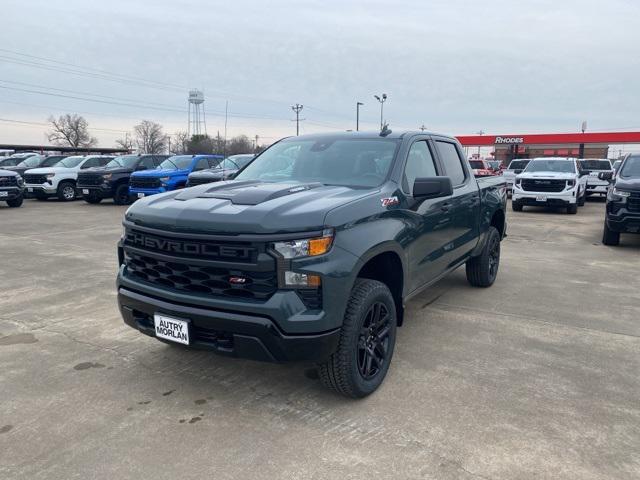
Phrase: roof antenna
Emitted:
{"points": [[385, 130]]}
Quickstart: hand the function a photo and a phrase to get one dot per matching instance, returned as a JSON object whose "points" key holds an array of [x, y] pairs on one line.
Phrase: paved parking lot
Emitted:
{"points": [[537, 377]]}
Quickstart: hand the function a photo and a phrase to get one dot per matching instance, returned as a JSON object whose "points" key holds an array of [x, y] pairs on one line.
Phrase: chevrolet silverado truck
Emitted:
{"points": [[11, 188], [36, 161], [60, 180], [171, 174], [592, 167], [623, 201], [311, 252], [550, 182], [112, 180], [225, 170]]}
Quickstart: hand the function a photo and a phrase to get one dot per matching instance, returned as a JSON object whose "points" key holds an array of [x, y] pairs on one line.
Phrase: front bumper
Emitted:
{"points": [[11, 193], [623, 221], [598, 188], [229, 333], [103, 191], [45, 189], [145, 192], [566, 197]]}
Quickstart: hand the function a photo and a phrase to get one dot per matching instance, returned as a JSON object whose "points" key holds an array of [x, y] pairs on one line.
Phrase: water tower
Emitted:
{"points": [[197, 123]]}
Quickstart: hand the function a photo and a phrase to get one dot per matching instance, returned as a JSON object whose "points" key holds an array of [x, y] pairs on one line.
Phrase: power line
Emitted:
{"points": [[297, 108], [39, 124]]}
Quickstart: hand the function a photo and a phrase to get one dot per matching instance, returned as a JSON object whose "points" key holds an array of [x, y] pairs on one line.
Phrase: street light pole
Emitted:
{"points": [[358, 104], [381, 100]]}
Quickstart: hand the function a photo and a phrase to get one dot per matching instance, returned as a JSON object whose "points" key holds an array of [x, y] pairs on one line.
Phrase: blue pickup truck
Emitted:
{"points": [[171, 174]]}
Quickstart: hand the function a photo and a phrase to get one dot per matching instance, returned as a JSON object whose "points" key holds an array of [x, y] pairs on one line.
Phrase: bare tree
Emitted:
{"points": [[181, 144], [239, 144], [126, 143], [70, 130], [149, 137]]}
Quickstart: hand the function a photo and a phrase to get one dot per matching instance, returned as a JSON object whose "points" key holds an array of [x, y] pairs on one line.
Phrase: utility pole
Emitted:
{"points": [[358, 104], [423, 128], [481, 132], [381, 100], [255, 146], [297, 108], [226, 115], [169, 140]]}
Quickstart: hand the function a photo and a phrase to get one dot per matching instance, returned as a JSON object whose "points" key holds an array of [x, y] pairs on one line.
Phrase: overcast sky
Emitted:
{"points": [[456, 66]]}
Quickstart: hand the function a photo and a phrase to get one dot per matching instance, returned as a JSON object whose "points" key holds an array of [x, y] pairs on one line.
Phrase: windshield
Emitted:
{"points": [[70, 162], [126, 161], [595, 164], [177, 162], [560, 166], [240, 160], [31, 162], [51, 161], [631, 167], [518, 164], [476, 164], [333, 161]]}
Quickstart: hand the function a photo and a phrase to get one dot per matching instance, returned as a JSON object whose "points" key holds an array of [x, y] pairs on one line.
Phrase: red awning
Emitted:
{"points": [[549, 152], [563, 151], [549, 139]]}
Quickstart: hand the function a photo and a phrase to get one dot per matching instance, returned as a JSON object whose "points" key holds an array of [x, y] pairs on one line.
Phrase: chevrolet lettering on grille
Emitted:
{"points": [[141, 240]]}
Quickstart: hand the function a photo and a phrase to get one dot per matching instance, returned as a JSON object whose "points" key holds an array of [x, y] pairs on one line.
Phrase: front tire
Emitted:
{"points": [[609, 237], [516, 206], [15, 202], [483, 269], [582, 200], [572, 209], [360, 363], [66, 192], [121, 195]]}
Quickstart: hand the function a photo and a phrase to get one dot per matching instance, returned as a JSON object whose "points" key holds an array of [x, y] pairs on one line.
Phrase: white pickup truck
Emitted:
{"points": [[60, 180], [551, 181], [515, 168], [593, 166]]}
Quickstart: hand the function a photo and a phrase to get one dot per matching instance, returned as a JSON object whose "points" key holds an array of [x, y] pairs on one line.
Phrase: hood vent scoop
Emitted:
{"points": [[251, 193]]}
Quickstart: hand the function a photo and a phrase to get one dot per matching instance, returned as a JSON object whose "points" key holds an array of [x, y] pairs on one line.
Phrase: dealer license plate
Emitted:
{"points": [[85, 191], [171, 329], [541, 198], [140, 195], [4, 194]]}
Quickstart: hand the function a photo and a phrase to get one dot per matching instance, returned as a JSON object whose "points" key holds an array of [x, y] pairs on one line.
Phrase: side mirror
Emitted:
{"points": [[432, 187], [608, 176]]}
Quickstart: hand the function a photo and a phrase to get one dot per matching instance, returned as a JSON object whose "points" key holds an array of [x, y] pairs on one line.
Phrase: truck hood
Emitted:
{"points": [[549, 175], [235, 207], [630, 184], [156, 173], [213, 173], [7, 173], [103, 170], [47, 170]]}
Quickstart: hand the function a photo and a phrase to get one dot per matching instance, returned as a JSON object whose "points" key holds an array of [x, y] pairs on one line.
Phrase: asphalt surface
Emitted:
{"points": [[536, 377]]}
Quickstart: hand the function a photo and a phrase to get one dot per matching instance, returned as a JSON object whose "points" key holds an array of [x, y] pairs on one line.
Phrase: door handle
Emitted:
{"points": [[445, 207]]}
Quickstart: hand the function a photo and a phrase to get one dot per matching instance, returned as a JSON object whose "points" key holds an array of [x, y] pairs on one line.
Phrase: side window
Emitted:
{"points": [[201, 165], [149, 163], [212, 162], [92, 162], [104, 160], [420, 164], [452, 162]]}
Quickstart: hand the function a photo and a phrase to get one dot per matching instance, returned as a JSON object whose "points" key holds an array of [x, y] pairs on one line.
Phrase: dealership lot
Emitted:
{"points": [[536, 377]]}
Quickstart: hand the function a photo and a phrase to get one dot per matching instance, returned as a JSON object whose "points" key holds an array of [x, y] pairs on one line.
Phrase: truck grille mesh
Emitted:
{"points": [[89, 179], [144, 182], [8, 181], [530, 185], [185, 277], [35, 179], [633, 202]]}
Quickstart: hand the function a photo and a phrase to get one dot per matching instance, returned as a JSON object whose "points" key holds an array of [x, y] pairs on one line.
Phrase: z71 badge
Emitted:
{"points": [[389, 201]]}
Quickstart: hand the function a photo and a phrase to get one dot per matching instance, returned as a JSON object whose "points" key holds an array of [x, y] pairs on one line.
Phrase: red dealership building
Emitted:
{"points": [[580, 145]]}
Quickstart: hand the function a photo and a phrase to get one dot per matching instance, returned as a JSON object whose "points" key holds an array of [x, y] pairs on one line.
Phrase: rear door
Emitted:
{"points": [[429, 226], [464, 207]]}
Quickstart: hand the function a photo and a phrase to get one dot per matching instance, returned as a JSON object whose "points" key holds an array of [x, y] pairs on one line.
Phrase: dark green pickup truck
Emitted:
{"points": [[311, 252]]}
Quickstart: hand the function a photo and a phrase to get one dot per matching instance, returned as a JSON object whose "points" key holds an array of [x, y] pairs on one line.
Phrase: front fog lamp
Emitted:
{"points": [[308, 247], [301, 280]]}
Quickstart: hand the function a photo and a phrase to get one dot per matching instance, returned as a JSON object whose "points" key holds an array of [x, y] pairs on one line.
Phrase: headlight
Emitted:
{"points": [[571, 183], [50, 176], [621, 193], [107, 176], [20, 181], [165, 179], [301, 280], [308, 247]]}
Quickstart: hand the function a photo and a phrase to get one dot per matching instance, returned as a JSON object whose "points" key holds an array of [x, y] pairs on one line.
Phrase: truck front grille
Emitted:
{"points": [[35, 179], [8, 181], [533, 185], [633, 202], [187, 277], [89, 179], [144, 182]]}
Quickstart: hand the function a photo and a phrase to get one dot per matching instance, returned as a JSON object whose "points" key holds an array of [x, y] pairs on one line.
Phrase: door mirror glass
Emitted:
{"points": [[432, 187]]}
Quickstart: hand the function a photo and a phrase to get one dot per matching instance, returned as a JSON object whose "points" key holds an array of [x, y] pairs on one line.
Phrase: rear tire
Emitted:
{"points": [[609, 237], [360, 363], [66, 191], [121, 195], [15, 202], [516, 206], [572, 209], [483, 269]]}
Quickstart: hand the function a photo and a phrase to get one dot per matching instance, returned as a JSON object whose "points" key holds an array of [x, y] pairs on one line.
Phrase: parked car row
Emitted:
{"points": [[97, 177]]}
